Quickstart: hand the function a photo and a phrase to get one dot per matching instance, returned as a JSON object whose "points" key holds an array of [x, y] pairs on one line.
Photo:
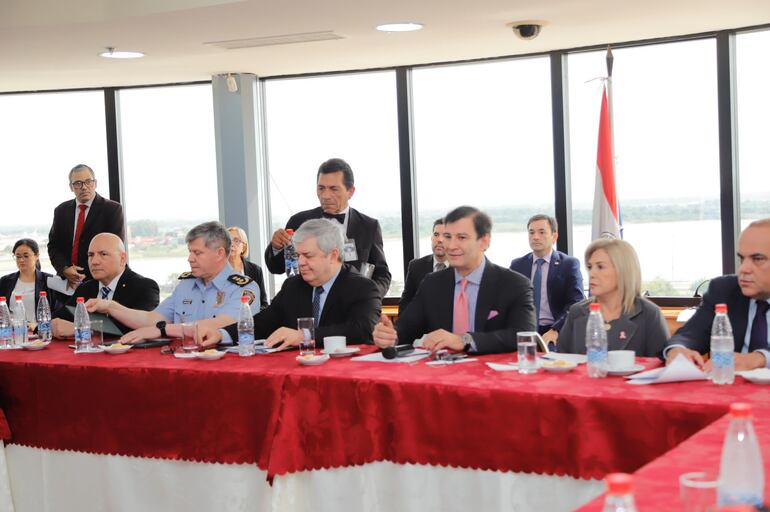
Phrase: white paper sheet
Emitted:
{"points": [[681, 369]]}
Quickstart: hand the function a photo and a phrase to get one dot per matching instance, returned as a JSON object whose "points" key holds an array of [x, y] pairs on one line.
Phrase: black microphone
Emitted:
{"points": [[397, 351]]}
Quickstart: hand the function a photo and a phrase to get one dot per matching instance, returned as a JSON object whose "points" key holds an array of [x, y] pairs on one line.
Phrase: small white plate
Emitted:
{"points": [[110, 349], [313, 361], [35, 345], [184, 355], [628, 371], [343, 352], [209, 356], [13, 347], [564, 367]]}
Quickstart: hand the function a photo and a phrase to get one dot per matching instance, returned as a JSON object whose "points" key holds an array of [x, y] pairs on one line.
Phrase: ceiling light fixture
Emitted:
{"points": [[112, 53], [399, 27]]}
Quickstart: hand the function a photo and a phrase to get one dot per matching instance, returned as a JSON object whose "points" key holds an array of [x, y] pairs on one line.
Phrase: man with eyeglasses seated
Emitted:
{"points": [[77, 221], [209, 294]]}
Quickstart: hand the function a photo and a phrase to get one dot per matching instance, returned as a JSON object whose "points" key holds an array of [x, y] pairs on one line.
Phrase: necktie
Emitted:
{"points": [[758, 337], [339, 217], [536, 283], [440, 266], [78, 232], [461, 325], [317, 304], [106, 292]]}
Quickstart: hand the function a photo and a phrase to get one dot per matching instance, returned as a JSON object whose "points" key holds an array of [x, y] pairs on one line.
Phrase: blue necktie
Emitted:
{"points": [[106, 292], [536, 281], [758, 337], [317, 304]]}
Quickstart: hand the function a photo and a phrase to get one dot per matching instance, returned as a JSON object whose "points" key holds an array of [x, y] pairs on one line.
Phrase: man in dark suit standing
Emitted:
{"points": [[474, 306], [421, 267], [77, 221], [556, 279], [746, 296], [363, 243], [342, 302], [112, 280]]}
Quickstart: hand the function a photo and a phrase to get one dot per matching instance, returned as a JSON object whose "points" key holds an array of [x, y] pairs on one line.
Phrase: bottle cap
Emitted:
{"points": [[43, 294], [80, 300], [619, 483], [2, 299], [19, 297], [244, 298], [740, 410], [595, 306], [720, 308], [290, 231]]}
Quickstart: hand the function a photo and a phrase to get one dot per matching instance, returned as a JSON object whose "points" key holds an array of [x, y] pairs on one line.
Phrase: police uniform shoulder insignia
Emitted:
{"points": [[186, 275], [250, 295], [239, 279]]}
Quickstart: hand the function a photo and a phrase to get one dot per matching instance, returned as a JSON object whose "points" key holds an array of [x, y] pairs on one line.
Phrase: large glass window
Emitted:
{"points": [[169, 175], [664, 107], [753, 78], [351, 116], [42, 136], [483, 138]]}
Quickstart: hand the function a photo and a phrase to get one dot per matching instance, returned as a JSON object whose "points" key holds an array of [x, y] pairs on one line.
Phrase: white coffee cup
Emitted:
{"points": [[334, 343], [621, 359]]}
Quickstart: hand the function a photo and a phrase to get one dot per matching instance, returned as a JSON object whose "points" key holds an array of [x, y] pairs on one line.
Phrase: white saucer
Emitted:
{"points": [[313, 361], [343, 352], [209, 356], [184, 355], [12, 347], [563, 368], [35, 345], [117, 350], [628, 371]]}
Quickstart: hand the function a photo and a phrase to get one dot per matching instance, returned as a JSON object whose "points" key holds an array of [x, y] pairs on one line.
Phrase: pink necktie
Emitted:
{"points": [[78, 232], [461, 324]]}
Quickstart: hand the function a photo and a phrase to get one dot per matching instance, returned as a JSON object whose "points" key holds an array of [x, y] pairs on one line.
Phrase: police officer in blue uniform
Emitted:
{"points": [[211, 292]]}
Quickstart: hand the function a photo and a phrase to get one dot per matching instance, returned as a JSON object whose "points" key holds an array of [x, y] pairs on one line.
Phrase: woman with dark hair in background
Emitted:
{"points": [[239, 249], [29, 281]]}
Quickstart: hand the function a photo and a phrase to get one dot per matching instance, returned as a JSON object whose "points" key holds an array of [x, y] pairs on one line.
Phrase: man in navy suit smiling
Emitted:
{"points": [[555, 276]]}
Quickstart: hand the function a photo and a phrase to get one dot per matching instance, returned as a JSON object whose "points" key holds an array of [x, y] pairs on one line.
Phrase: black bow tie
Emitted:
{"points": [[340, 217]]}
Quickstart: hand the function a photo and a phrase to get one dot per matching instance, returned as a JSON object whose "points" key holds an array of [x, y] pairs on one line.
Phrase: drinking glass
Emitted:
{"points": [[97, 335], [526, 343], [307, 343], [189, 336], [698, 491]]}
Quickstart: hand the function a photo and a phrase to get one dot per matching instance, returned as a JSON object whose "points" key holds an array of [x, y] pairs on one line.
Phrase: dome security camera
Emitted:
{"points": [[527, 30]]}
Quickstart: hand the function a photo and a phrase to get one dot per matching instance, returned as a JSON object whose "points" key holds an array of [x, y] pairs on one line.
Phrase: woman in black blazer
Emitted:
{"points": [[239, 249], [26, 252]]}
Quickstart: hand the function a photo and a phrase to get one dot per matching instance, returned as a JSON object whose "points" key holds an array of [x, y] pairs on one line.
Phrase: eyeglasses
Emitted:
{"points": [[80, 184], [237, 241], [24, 256]]}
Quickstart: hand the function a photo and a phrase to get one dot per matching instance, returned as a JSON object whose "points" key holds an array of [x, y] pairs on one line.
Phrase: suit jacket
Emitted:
{"points": [[696, 333], [363, 229], [133, 291], [352, 309], [503, 308], [644, 330], [254, 271], [564, 286], [105, 216], [8, 283], [415, 273]]}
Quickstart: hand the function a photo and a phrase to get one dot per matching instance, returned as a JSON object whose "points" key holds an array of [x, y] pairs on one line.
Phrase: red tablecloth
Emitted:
{"points": [[286, 418], [5, 430]]}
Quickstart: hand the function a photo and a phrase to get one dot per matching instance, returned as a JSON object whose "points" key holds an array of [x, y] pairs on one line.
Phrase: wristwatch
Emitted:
{"points": [[162, 328], [467, 339]]}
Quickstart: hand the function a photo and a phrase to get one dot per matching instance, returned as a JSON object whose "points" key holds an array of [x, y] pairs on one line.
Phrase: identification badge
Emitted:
{"points": [[220, 299], [349, 250]]}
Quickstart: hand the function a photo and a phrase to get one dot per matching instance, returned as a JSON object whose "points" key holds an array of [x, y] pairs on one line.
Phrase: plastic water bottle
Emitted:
{"points": [[596, 342], [82, 327], [620, 496], [6, 325], [290, 258], [722, 347], [19, 322], [741, 474], [245, 329], [44, 318]]}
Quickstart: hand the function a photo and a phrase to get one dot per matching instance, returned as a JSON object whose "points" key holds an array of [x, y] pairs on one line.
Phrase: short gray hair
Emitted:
{"points": [[328, 235], [213, 233], [81, 167]]}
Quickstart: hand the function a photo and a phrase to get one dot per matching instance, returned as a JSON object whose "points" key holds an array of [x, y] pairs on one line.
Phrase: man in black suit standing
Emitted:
{"points": [[112, 280], [77, 221], [342, 302], [556, 279], [363, 236], [747, 297], [474, 306], [421, 267]]}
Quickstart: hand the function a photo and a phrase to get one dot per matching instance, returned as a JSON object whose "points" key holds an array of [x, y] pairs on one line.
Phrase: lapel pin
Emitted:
{"points": [[622, 335]]}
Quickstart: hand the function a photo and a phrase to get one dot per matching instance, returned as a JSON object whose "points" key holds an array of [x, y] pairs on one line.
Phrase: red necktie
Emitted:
{"points": [[78, 232], [461, 323]]}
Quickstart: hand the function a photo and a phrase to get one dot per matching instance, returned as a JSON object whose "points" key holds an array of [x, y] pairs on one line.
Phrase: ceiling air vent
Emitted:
{"points": [[255, 42]]}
